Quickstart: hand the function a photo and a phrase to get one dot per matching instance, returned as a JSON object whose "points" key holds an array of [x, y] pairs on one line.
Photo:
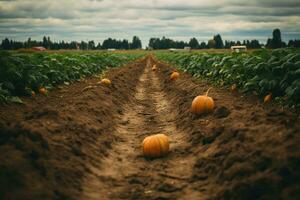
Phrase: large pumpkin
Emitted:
{"points": [[155, 145], [202, 104], [174, 75], [105, 81]]}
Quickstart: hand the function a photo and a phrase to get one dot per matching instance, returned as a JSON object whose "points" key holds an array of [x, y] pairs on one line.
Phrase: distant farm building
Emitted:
{"points": [[239, 48], [39, 48], [184, 49], [187, 48]]}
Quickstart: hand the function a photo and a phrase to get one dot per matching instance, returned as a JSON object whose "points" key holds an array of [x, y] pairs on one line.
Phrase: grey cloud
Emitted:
{"points": [[98, 19]]}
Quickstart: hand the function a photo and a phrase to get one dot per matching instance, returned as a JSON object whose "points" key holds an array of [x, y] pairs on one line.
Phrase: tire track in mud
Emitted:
{"points": [[125, 173]]}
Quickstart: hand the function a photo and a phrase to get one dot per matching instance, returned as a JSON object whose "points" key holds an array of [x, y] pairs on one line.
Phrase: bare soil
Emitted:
{"points": [[85, 142]]}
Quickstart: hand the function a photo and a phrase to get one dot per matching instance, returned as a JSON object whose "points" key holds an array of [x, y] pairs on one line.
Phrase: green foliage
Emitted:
{"points": [[276, 71], [21, 73]]}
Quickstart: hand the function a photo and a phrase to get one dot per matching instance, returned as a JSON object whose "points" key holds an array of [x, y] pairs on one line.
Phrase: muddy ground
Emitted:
{"points": [[85, 143]]}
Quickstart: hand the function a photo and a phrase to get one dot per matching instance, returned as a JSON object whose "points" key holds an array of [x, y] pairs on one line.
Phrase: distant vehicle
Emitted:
{"points": [[239, 48], [39, 48], [111, 49]]}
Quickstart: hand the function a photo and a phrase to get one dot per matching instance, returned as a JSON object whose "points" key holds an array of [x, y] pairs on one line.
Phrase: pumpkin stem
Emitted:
{"points": [[207, 91]]}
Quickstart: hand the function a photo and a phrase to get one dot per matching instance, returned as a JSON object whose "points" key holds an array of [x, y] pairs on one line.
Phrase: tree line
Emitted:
{"points": [[83, 45], [217, 43], [154, 43]]}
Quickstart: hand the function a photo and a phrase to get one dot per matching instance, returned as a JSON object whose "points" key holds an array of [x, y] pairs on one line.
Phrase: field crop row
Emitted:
{"points": [[262, 72], [26, 73]]}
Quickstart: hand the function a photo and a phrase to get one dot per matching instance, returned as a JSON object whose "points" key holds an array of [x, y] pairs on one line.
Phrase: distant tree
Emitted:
{"points": [[219, 42], [83, 45], [136, 43], [294, 43], [211, 43], [276, 41], [125, 44], [5, 45], [154, 43], [108, 44], [98, 46], [29, 43], [254, 44], [45, 42], [91, 45], [194, 44], [203, 45]]}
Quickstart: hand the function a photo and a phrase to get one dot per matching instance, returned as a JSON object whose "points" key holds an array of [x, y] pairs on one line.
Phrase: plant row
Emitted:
{"points": [[261, 72], [25, 73]]}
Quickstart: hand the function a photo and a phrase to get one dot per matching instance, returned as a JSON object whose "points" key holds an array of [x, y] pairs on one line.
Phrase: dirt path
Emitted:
{"points": [[77, 144], [124, 173]]}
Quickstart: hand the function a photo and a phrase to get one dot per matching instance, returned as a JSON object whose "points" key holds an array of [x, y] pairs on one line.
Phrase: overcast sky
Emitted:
{"points": [[178, 19]]}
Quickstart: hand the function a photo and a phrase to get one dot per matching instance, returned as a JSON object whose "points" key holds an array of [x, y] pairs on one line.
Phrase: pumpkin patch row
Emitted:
{"points": [[271, 74], [25, 74], [157, 145]]}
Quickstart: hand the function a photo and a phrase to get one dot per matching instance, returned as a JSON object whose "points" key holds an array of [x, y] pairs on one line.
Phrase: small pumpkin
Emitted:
{"points": [[154, 68], [233, 88], [174, 75], [105, 81], [43, 91], [155, 146], [202, 104], [268, 98]]}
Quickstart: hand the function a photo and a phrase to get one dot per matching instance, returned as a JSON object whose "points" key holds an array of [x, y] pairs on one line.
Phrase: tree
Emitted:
{"points": [[6, 44], [125, 44], [211, 43], [294, 43], [202, 45], [219, 42], [45, 42], [91, 45], [194, 43], [276, 41], [136, 43]]}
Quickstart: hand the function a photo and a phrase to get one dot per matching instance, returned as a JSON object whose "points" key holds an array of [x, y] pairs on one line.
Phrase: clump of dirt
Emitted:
{"points": [[47, 143], [244, 150]]}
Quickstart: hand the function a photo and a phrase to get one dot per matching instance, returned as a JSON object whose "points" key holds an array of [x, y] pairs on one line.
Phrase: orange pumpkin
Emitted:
{"points": [[268, 98], [174, 75], [202, 104], [154, 68], [105, 81], [43, 91], [155, 146]]}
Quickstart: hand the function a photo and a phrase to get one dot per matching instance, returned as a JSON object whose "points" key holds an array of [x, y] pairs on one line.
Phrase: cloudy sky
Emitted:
{"points": [[178, 19]]}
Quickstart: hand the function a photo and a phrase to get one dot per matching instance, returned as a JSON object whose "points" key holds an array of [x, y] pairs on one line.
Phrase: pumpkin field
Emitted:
{"points": [[150, 125]]}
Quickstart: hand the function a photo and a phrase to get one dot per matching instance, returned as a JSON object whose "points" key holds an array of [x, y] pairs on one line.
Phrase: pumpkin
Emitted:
{"points": [[105, 81], [268, 98], [154, 68], [202, 104], [233, 88], [43, 90], [174, 75], [155, 146]]}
